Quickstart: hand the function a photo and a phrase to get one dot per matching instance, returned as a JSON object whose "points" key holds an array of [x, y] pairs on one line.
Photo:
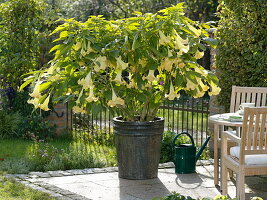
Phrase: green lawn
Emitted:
{"points": [[23, 156], [11, 190]]}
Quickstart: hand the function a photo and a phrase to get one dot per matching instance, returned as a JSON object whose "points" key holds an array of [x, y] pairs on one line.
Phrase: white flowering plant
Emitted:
{"points": [[129, 66]]}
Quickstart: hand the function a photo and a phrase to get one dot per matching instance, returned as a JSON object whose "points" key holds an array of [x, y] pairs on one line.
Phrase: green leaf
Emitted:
{"points": [[56, 47], [26, 83], [60, 28], [64, 34], [211, 41], [45, 85]]}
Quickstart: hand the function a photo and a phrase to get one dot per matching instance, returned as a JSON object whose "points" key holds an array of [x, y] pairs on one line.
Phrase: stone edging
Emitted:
{"points": [[31, 179]]}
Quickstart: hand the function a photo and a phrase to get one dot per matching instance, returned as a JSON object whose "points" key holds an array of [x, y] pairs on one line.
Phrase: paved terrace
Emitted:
{"points": [[104, 184]]}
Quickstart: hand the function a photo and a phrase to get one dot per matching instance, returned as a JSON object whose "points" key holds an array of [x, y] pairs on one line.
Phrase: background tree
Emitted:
{"points": [[200, 10], [242, 57], [23, 26]]}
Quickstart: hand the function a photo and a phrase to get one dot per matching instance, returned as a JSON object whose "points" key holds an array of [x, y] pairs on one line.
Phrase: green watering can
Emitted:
{"points": [[185, 156]]}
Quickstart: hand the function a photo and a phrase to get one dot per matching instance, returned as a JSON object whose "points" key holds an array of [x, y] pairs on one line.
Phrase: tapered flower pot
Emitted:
{"points": [[138, 147]]}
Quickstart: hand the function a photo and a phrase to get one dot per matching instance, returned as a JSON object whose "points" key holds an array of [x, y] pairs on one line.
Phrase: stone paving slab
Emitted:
{"points": [[104, 184]]}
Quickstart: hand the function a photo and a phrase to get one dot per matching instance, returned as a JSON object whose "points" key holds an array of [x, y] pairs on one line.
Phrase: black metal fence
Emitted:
{"points": [[185, 114]]}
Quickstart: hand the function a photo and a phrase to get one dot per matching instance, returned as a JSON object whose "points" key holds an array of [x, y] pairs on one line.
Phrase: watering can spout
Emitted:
{"points": [[202, 148]]}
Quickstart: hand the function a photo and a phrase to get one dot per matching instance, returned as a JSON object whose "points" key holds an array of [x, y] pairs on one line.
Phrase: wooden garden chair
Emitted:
{"points": [[250, 156], [257, 95]]}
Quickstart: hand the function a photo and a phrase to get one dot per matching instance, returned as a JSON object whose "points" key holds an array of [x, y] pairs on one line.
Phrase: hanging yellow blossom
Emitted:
{"points": [[214, 89], [169, 53], [150, 77], [77, 109], [83, 52], [86, 82], [91, 96], [199, 54], [78, 46], [172, 94], [181, 44], [36, 91], [163, 39], [202, 85], [199, 93], [44, 105], [35, 102], [81, 63], [89, 48], [190, 85], [115, 100], [54, 78], [101, 63], [120, 64], [118, 78], [132, 83], [181, 65], [166, 64]]}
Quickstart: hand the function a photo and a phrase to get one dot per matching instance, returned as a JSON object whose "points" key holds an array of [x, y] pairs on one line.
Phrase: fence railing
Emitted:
{"points": [[185, 114]]}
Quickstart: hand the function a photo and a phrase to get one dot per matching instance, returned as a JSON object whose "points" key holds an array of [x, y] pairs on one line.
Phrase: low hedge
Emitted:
{"points": [[242, 54]]}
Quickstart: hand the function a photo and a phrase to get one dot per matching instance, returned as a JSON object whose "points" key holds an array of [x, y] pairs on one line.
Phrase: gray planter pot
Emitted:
{"points": [[138, 147]]}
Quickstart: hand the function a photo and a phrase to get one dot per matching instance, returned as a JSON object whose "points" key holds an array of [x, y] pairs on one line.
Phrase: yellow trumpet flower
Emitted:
{"points": [[163, 38], [202, 85], [44, 105], [101, 63], [77, 109], [167, 64], [89, 48], [36, 91], [181, 44], [150, 77], [118, 78], [181, 65], [77, 46], [86, 82], [190, 85], [91, 96], [35, 102], [215, 90], [115, 100], [54, 78], [120, 64], [172, 94], [199, 54], [199, 93]]}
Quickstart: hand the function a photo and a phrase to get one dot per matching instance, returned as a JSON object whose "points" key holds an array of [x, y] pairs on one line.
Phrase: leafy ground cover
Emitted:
{"points": [[23, 156], [177, 196], [11, 190]]}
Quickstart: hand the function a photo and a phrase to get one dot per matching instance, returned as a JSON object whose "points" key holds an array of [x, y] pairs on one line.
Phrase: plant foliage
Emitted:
{"points": [[242, 52], [129, 66], [22, 34]]}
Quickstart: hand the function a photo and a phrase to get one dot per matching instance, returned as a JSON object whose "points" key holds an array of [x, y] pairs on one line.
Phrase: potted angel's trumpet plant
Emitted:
{"points": [[129, 66]]}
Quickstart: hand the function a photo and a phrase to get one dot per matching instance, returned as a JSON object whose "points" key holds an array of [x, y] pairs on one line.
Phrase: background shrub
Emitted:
{"points": [[9, 124], [199, 10], [242, 53], [23, 24], [32, 123]]}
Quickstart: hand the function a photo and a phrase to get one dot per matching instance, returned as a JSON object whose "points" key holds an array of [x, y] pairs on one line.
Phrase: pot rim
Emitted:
{"points": [[119, 120]]}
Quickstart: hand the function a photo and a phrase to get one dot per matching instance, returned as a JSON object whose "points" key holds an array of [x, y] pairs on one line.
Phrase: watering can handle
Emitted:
{"points": [[183, 133]]}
